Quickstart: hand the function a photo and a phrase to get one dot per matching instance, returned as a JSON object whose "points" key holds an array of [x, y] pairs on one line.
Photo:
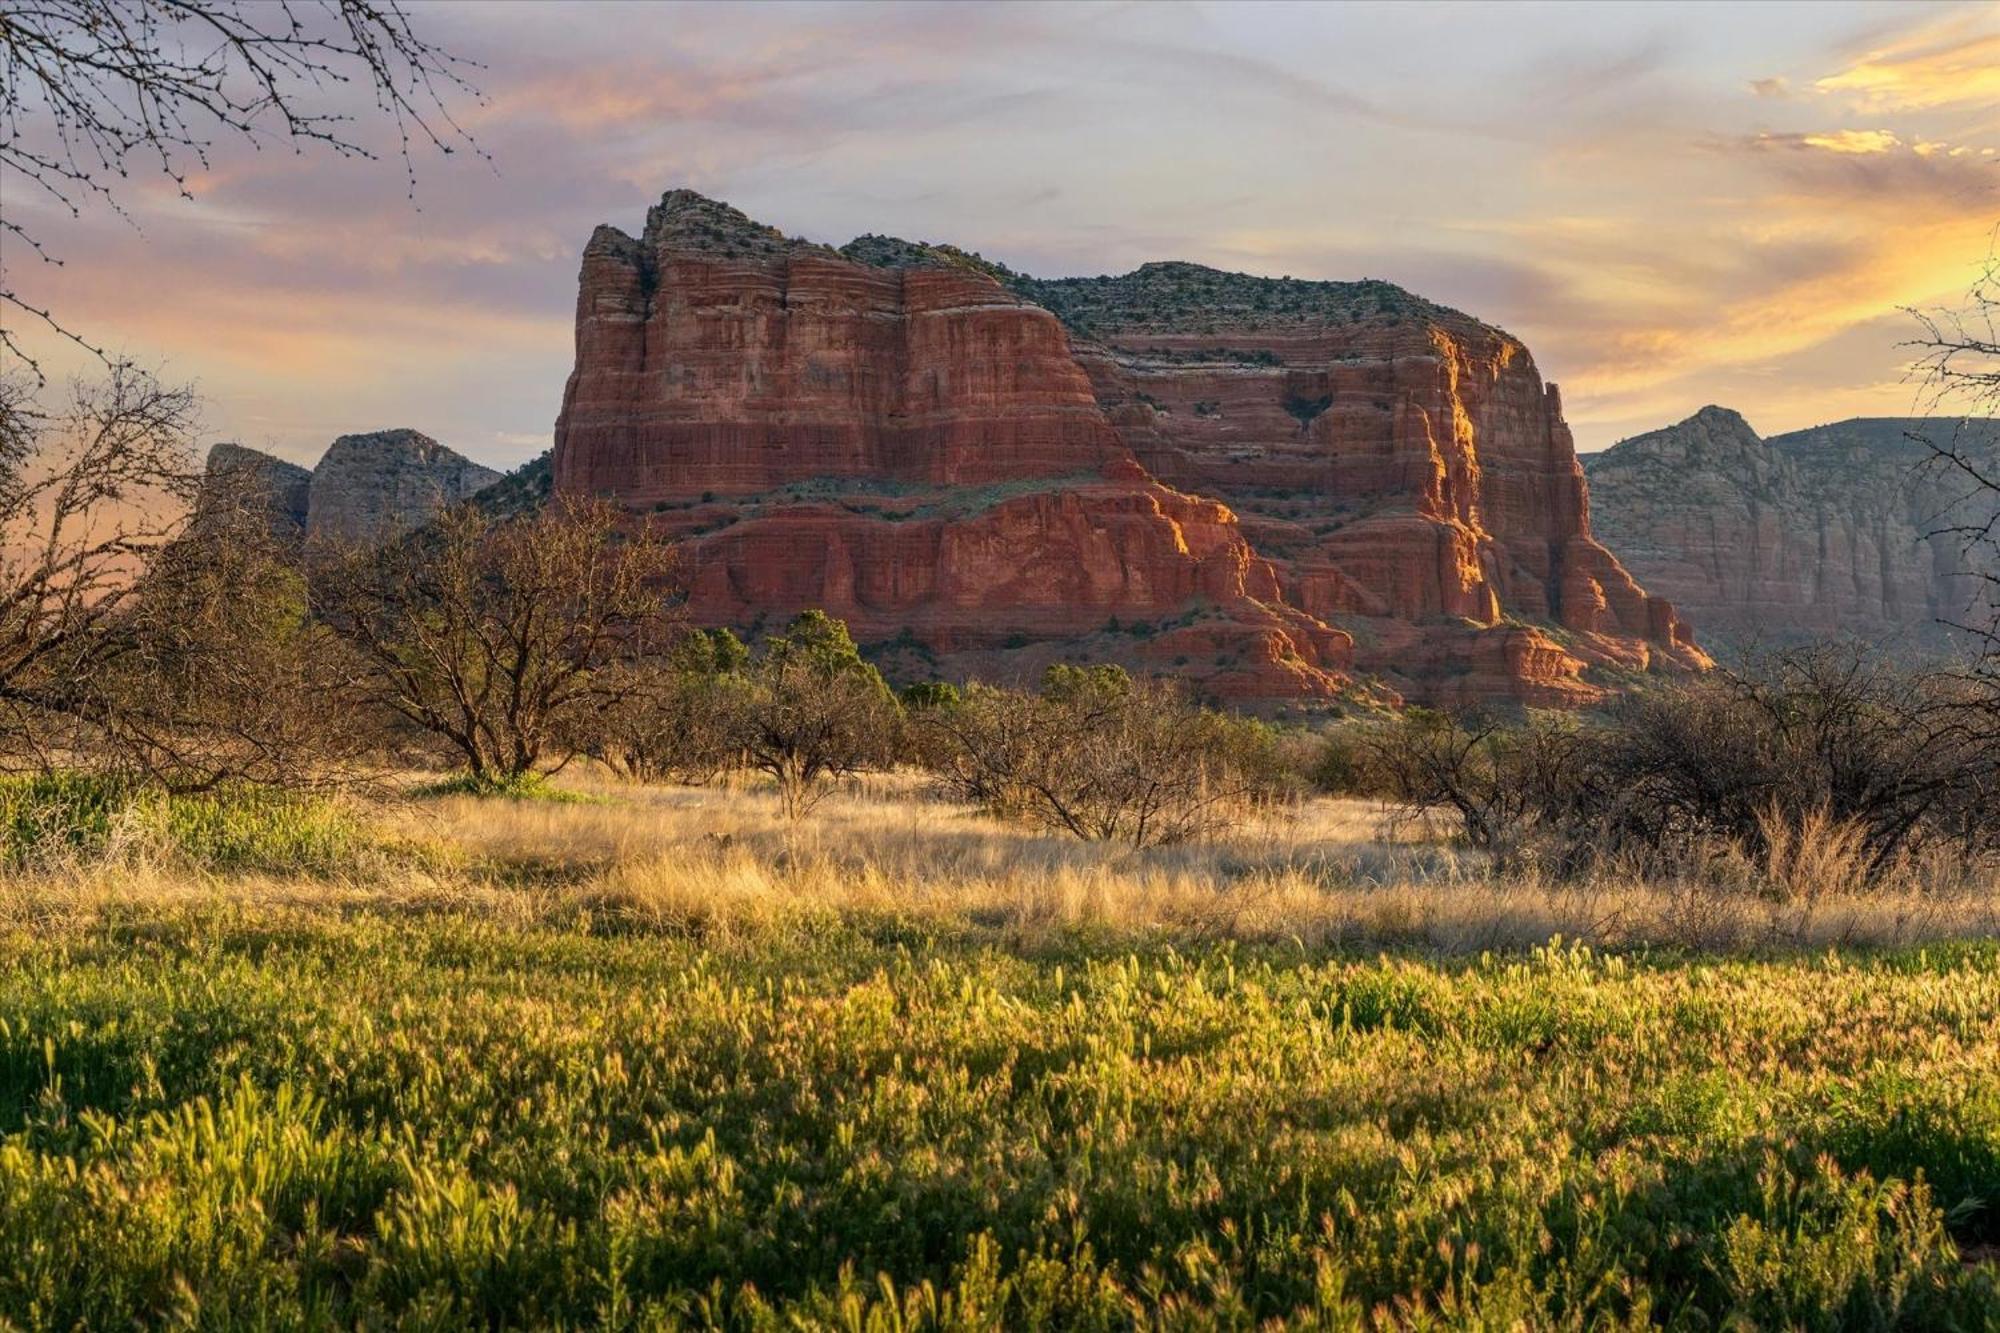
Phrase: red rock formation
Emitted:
{"points": [[910, 449], [1403, 469], [917, 444]]}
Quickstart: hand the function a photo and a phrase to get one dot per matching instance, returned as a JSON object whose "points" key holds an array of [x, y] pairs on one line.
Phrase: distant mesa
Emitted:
{"points": [[1814, 533], [1274, 487], [366, 487]]}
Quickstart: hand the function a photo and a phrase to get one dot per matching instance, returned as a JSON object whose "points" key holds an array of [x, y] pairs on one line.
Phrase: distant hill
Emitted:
{"points": [[371, 485], [1819, 532]]}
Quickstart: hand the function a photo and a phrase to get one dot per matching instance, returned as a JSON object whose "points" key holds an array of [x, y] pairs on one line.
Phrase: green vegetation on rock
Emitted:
{"points": [[1180, 297]]}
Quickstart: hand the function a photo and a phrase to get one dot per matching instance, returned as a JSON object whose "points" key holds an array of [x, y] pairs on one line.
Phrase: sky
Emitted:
{"points": [[1671, 205]]}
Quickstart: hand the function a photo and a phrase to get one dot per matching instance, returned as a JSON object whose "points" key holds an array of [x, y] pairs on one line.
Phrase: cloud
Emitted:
{"points": [[1688, 216], [1853, 141], [1847, 168], [1952, 63]]}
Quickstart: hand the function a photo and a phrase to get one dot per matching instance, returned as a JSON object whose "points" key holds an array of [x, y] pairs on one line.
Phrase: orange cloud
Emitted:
{"points": [[1951, 64], [1853, 141]]}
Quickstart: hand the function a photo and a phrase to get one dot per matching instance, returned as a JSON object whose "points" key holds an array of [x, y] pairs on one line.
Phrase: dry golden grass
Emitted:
{"points": [[722, 862]]}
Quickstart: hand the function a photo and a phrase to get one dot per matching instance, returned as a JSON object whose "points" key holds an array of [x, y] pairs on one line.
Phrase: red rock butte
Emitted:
{"points": [[1270, 486]]}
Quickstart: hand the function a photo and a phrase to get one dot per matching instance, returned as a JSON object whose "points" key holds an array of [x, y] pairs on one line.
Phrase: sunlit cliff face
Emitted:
{"points": [[1667, 213]]}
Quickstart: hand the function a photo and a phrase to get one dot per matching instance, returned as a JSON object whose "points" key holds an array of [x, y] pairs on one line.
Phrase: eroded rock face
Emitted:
{"points": [[1821, 532], [997, 473], [1402, 465], [253, 479], [373, 486]]}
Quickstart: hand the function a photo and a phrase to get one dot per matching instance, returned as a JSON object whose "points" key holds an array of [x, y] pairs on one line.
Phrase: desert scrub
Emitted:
{"points": [[71, 819], [276, 1115]]}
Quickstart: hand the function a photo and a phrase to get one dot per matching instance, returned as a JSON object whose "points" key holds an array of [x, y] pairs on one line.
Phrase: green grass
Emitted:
{"points": [[238, 1115], [78, 818], [530, 786]]}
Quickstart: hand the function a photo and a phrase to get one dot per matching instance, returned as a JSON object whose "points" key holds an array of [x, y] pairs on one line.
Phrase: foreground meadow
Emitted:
{"points": [[658, 1059]]}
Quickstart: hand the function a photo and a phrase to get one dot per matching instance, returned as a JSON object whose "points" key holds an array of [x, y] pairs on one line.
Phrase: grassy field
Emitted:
{"points": [[660, 1061]]}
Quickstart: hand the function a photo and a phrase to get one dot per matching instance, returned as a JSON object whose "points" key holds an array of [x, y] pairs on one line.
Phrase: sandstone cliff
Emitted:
{"points": [[914, 450], [1265, 485], [1400, 463], [1816, 533], [368, 487]]}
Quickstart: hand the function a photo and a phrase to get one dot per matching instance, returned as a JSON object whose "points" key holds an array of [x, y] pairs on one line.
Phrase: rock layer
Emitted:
{"points": [[1401, 464], [1820, 532], [991, 472]]}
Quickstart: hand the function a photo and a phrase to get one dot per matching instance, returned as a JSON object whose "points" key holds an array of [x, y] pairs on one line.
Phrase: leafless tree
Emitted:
{"points": [[95, 91], [1958, 368], [221, 674], [89, 497], [491, 634]]}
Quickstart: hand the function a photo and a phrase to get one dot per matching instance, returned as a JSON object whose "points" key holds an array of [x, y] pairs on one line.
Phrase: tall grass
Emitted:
{"points": [[71, 820], [668, 1058]]}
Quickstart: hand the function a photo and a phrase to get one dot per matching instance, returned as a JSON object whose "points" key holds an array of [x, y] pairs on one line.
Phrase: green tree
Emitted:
{"points": [[815, 711]]}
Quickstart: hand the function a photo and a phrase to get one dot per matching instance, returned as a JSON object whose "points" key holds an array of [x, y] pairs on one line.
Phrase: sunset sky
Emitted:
{"points": [[1672, 206]]}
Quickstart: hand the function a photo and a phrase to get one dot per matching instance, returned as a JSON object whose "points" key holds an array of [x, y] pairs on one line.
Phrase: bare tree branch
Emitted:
{"points": [[1957, 367], [95, 91]]}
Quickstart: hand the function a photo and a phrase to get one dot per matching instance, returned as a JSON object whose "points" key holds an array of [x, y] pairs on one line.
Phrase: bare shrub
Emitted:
{"points": [[1494, 778], [1818, 769], [1102, 757], [1820, 738], [222, 674], [672, 719]]}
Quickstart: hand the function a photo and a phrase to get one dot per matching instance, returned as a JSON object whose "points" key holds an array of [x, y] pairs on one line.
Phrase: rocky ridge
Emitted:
{"points": [[1818, 532], [365, 487], [1270, 486], [260, 482]]}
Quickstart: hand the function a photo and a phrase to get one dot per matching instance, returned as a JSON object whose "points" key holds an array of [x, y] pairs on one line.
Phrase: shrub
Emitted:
{"points": [[676, 719], [1823, 736], [812, 710], [1344, 764], [1103, 757], [1495, 779], [1818, 764], [930, 694]]}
